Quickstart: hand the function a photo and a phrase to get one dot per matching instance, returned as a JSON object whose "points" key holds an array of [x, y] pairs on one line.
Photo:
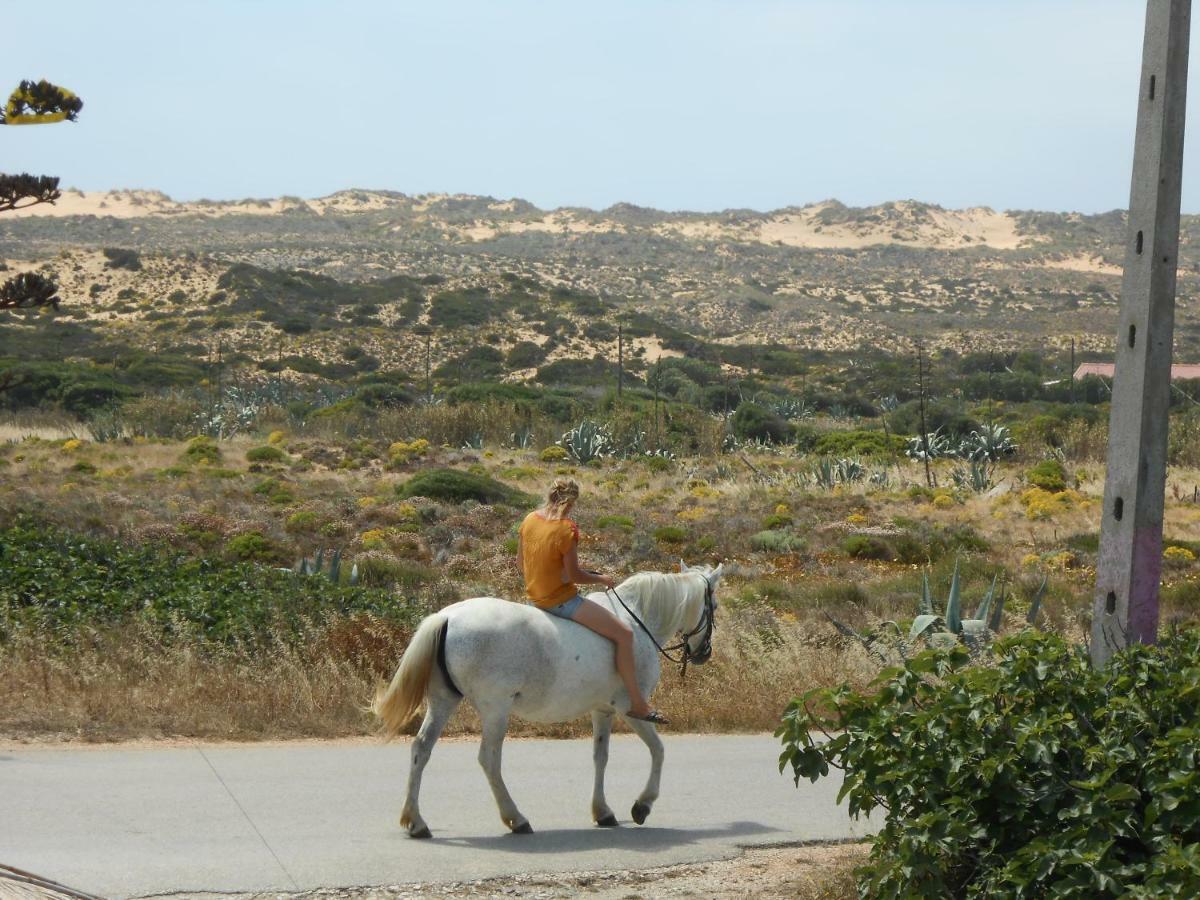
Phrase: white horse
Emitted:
{"points": [[513, 658]]}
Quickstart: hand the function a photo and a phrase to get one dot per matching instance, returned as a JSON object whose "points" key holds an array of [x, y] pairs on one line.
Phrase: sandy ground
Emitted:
{"points": [[810, 870]]}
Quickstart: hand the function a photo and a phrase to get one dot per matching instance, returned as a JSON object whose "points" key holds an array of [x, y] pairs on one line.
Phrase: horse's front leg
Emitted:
{"points": [[495, 724], [441, 705], [601, 735], [645, 730]]}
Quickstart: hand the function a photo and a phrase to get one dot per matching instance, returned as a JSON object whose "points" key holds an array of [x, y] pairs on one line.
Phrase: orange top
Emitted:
{"points": [[544, 543]]}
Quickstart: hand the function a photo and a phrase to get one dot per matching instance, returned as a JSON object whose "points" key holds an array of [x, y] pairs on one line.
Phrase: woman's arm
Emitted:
{"points": [[520, 553], [577, 575]]}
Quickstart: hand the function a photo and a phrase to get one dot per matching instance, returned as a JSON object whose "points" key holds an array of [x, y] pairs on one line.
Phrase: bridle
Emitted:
{"points": [[706, 624]]}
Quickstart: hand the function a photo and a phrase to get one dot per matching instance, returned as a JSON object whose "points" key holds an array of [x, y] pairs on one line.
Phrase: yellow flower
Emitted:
{"points": [[71, 445], [695, 514], [1179, 554], [1030, 561], [367, 502], [943, 501], [856, 519], [375, 539], [276, 437], [782, 509]]}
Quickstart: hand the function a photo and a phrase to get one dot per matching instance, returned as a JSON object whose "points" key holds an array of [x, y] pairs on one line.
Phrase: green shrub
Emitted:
{"points": [[302, 521], [772, 541], [524, 355], [757, 423], [121, 258], [777, 520], [1049, 475], [265, 454], [657, 463], [624, 523], [202, 450], [859, 443], [867, 546], [454, 486], [670, 534], [51, 578], [1033, 776], [252, 545], [274, 490]]}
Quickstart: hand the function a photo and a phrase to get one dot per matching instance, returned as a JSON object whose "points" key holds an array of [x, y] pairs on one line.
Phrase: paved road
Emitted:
{"points": [[131, 822]]}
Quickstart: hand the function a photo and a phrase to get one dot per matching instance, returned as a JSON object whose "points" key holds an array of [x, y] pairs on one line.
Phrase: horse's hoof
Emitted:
{"points": [[640, 811], [523, 828], [421, 833], [609, 821]]}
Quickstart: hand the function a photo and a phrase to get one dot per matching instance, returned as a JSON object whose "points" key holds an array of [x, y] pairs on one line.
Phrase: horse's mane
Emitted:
{"points": [[664, 599]]}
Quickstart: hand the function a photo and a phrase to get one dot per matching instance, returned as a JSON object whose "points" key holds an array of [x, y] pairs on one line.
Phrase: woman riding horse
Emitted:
{"points": [[548, 557]]}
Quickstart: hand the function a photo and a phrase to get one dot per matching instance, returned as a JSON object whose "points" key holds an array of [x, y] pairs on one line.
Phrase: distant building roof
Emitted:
{"points": [[1181, 372]]}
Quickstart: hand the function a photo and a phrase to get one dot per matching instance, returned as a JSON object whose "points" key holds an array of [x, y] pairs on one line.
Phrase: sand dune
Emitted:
{"points": [[827, 225]]}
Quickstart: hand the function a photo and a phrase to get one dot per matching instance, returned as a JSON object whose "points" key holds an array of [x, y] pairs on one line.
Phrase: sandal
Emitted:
{"points": [[654, 717]]}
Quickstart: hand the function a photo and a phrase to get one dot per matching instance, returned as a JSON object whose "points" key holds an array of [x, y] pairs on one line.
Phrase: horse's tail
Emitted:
{"points": [[399, 701]]}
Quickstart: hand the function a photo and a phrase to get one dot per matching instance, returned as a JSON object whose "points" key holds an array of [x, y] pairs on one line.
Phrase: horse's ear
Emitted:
{"points": [[716, 573], [683, 567]]}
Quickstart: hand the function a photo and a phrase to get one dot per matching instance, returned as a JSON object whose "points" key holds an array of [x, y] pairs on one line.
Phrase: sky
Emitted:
{"points": [[674, 104]]}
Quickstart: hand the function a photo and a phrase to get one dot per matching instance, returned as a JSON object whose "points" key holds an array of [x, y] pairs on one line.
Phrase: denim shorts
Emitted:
{"points": [[566, 609]]}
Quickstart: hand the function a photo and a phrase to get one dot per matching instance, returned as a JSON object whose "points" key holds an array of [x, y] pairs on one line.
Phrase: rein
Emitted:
{"points": [[706, 624]]}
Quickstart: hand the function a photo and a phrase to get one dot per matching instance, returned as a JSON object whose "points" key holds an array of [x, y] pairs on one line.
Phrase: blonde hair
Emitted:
{"points": [[563, 492]]}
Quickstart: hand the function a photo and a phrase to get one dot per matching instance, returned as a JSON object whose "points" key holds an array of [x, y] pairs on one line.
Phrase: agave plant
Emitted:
{"points": [[849, 471], [938, 446], [791, 408], [954, 627], [988, 444], [522, 438], [824, 474], [587, 441], [975, 476], [317, 567]]}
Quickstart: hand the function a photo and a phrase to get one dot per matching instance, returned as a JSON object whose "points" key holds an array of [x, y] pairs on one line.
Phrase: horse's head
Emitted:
{"points": [[697, 640]]}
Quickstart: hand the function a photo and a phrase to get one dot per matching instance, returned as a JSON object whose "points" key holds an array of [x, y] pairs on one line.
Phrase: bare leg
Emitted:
{"points": [[441, 706], [601, 733], [495, 724], [645, 730], [594, 616]]}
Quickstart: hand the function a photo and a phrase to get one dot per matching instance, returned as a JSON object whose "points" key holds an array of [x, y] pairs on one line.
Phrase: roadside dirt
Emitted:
{"points": [[798, 872]]}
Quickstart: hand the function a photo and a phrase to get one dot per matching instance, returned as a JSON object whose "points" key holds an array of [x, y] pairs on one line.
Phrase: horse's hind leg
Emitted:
{"points": [[645, 730], [441, 704], [601, 734], [495, 724]]}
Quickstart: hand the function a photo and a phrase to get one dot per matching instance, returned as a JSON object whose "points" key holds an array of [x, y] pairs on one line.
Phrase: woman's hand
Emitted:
{"points": [[608, 583]]}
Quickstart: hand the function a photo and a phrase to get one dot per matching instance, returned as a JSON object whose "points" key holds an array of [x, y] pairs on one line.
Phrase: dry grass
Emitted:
{"points": [[130, 683]]}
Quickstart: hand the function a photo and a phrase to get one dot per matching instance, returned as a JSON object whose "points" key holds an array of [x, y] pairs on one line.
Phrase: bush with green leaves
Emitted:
{"points": [[753, 422], [265, 454], [1033, 776], [61, 581], [455, 486], [1049, 475], [776, 541]]}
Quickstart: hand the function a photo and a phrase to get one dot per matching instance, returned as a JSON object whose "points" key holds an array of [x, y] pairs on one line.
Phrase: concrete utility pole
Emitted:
{"points": [[1131, 532]]}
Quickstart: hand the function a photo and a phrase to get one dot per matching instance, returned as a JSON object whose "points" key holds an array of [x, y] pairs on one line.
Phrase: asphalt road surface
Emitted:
{"points": [[225, 818]]}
